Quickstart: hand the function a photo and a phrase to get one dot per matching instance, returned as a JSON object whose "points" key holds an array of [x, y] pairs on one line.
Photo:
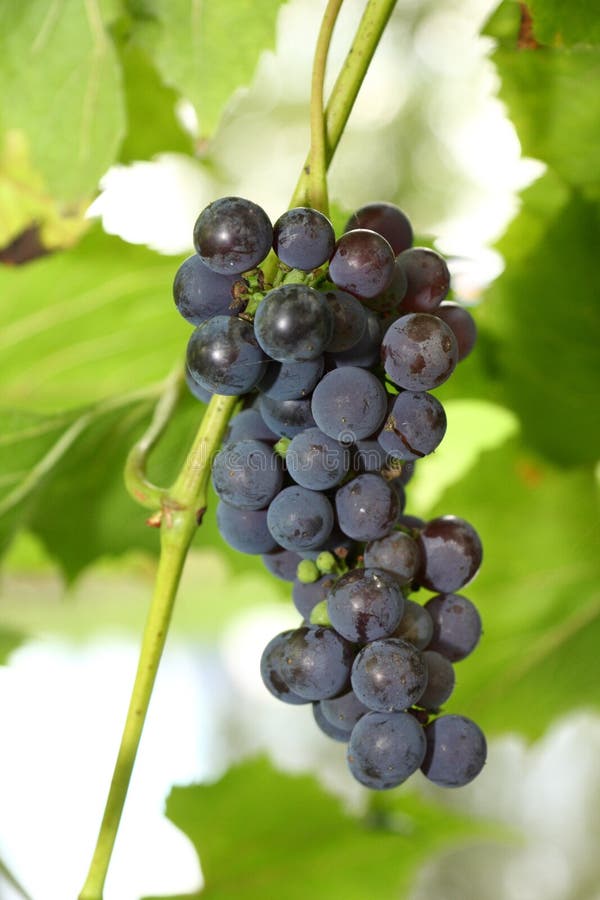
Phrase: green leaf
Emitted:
{"points": [[207, 50], [62, 89], [557, 22], [285, 836], [537, 591], [9, 641]]}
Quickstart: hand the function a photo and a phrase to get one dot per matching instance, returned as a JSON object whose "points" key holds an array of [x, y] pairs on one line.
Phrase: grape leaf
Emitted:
{"points": [[207, 50], [285, 835], [557, 22], [62, 89], [537, 590]]}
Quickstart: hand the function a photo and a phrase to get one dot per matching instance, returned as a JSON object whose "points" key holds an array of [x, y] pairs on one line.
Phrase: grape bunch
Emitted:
{"points": [[336, 346]]}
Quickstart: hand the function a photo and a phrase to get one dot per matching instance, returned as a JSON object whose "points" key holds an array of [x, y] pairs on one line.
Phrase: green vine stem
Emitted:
{"points": [[182, 506]]}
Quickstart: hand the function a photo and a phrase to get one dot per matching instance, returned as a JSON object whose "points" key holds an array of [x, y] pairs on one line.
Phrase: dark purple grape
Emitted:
{"points": [[345, 711], [349, 320], [440, 680], [367, 507], [396, 553], [366, 352], [412, 522], [456, 751], [223, 356], [293, 323], [365, 604], [282, 564], [286, 417], [389, 675], [303, 238], [332, 731], [244, 529], [369, 456], [387, 220], [462, 324], [388, 303], [200, 393], [452, 554], [200, 293], [415, 426], [250, 425], [362, 263], [247, 474], [385, 749], [419, 352], [456, 626], [349, 404], [316, 461], [270, 670], [427, 279], [300, 519], [291, 381], [415, 626], [306, 596], [316, 662], [232, 235]]}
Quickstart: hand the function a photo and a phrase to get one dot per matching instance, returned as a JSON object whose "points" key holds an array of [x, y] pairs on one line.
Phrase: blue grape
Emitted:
{"points": [[250, 425], [389, 675], [247, 474], [349, 404], [456, 751], [327, 727], [303, 238], [365, 353], [232, 235], [270, 670], [385, 749], [291, 381], [293, 323], [396, 553], [440, 680], [413, 522], [362, 263], [367, 507], [365, 604], [316, 662], [316, 461], [200, 393], [349, 320], [282, 564], [462, 324], [306, 596], [369, 456], [286, 418], [387, 220], [452, 554], [200, 293], [456, 626], [427, 279], [244, 529], [389, 303], [416, 625], [300, 519], [415, 426], [223, 356], [344, 711], [419, 352]]}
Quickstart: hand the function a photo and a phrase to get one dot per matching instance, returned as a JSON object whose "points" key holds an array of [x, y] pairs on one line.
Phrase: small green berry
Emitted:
{"points": [[320, 615], [307, 571], [326, 562]]}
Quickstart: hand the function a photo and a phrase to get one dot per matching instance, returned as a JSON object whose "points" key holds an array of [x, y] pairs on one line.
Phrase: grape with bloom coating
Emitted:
{"points": [[303, 238], [349, 404], [397, 553], [452, 554], [315, 460], [427, 279], [286, 417], [367, 507], [232, 235], [365, 604], [416, 625], [462, 324], [362, 263], [419, 352], [316, 662], [223, 356], [244, 529], [385, 749], [456, 751], [387, 220], [200, 293], [270, 670], [349, 320], [456, 626], [299, 519], [293, 323], [389, 675], [440, 680], [414, 427], [247, 474]]}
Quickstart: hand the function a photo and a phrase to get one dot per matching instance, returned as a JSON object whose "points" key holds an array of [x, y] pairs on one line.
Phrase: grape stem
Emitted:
{"points": [[182, 506]]}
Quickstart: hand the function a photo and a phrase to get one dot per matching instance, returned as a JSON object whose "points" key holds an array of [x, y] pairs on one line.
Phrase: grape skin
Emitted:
{"points": [[244, 529], [416, 625], [456, 751], [349, 320], [415, 426], [365, 352], [247, 474], [385, 749], [303, 238], [199, 293], [440, 680], [270, 670], [367, 507], [462, 324], [286, 418], [293, 323], [250, 425], [200, 393], [456, 626], [232, 235], [349, 404], [306, 596], [291, 381], [452, 554], [299, 519], [389, 675], [419, 352], [397, 553], [362, 263], [344, 711], [316, 662], [387, 220], [332, 731], [223, 356], [427, 279], [316, 461], [365, 604], [282, 564]]}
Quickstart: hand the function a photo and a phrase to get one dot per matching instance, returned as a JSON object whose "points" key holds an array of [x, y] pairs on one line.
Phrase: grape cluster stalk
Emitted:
{"points": [[336, 355]]}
